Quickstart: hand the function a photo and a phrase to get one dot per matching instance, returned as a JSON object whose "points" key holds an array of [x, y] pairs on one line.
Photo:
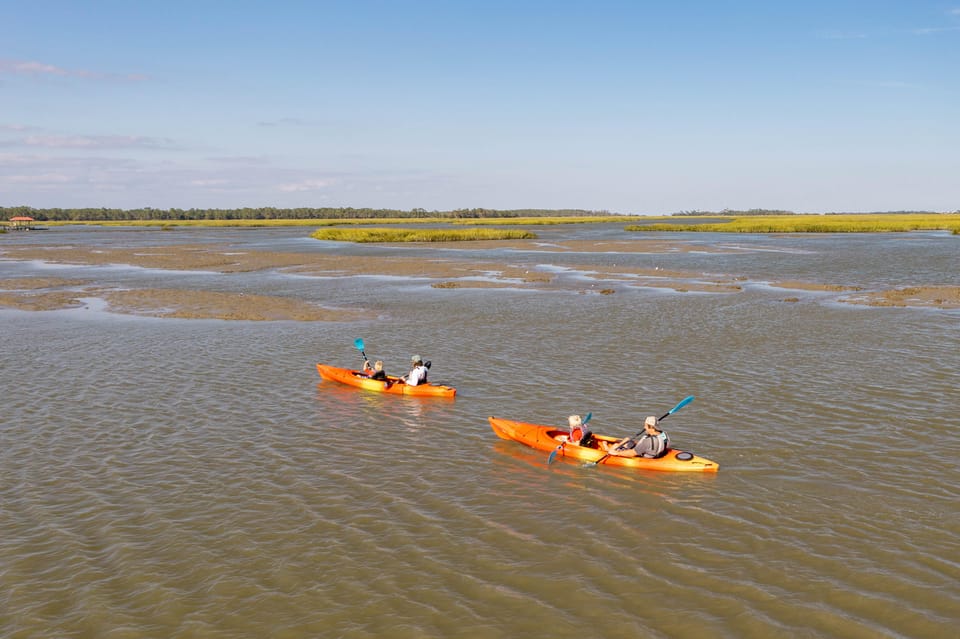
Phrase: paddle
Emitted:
{"points": [[553, 453], [358, 344], [670, 412]]}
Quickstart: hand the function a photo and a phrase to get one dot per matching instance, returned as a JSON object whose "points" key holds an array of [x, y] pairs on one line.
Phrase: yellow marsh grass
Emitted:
{"points": [[820, 224], [418, 235], [532, 221]]}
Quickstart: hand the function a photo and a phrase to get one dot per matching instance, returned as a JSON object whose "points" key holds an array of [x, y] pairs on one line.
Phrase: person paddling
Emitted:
{"points": [[653, 443], [418, 372], [376, 371]]}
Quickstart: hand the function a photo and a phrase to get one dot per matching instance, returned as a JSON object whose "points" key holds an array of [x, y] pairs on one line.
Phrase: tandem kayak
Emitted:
{"points": [[393, 385], [548, 438]]}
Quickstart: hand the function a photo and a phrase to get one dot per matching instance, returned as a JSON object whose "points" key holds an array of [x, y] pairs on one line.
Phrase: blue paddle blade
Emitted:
{"points": [[683, 403], [358, 343], [587, 418]]}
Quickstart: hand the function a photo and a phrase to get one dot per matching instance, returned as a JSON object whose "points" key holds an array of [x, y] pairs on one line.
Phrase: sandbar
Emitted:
{"points": [[44, 293]]}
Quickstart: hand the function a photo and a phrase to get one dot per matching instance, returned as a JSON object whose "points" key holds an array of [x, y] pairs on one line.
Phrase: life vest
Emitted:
{"points": [[581, 435], [660, 444]]}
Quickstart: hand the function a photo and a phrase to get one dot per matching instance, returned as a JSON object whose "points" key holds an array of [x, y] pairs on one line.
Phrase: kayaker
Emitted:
{"points": [[653, 443], [418, 372], [376, 371], [579, 433]]}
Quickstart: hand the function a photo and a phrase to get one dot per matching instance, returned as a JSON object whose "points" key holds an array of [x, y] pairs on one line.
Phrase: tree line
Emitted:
{"points": [[271, 213]]}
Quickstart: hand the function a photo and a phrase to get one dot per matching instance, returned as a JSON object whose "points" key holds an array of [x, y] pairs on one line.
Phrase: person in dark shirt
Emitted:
{"points": [[376, 371]]}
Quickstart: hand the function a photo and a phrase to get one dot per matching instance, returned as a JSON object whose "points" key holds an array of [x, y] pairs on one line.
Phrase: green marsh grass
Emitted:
{"points": [[418, 235], [819, 224]]}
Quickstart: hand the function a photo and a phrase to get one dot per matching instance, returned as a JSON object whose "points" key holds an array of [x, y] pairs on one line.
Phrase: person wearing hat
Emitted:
{"points": [[653, 443], [418, 372]]}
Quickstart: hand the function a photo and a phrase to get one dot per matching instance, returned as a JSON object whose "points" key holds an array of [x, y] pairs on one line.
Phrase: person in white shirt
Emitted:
{"points": [[418, 372]]}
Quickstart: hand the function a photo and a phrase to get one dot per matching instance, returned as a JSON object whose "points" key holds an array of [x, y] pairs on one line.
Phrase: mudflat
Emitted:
{"points": [[39, 293]]}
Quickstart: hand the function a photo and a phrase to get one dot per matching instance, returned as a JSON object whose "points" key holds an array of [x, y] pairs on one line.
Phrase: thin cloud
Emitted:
{"points": [[210, 183], [25, 67], [46, 163], [43, 174], [90, 177], [32, 68], [89, 142], [42, 179], [19, 128], [832, 34], [285, 122], [934, 30], [305, 185], [240, 160]]}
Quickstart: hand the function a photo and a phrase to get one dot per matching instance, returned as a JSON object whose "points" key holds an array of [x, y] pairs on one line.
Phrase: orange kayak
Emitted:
{"points": [[547, 438], [393, 384]]}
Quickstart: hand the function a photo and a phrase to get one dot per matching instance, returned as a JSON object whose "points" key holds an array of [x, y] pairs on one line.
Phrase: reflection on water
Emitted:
{"points": [[187, 478]]}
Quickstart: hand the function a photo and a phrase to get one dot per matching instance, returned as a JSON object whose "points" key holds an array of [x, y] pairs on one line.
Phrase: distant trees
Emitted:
{"points": [[270, 213], [305, 213]]}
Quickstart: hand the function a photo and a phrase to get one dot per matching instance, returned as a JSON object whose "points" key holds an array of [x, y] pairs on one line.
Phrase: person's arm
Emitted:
{"points": [[617, 448]]}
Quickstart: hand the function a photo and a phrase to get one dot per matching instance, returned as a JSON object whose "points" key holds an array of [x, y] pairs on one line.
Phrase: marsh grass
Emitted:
{"points": [[534, 221], [418, 235], [819, 224]]}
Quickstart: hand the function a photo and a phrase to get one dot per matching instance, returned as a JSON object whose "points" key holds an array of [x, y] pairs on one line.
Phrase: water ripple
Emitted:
{"points": [[177, 478]]}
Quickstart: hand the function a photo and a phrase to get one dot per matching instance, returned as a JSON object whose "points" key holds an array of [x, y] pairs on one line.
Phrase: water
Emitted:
{"points": [[195, 478]]}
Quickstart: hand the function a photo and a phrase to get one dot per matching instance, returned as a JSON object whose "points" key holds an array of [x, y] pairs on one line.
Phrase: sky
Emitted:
{"points": [[632, 107]]}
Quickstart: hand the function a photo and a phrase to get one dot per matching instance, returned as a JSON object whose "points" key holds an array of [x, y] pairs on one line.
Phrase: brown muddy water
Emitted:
{"points": [[172, 466]]}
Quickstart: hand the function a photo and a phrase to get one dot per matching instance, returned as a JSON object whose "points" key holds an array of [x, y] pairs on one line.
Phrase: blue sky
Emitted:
{"points": [[631, 107]]}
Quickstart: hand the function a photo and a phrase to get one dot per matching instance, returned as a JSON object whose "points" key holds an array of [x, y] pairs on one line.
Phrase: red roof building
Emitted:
{"points": [[20, 222]]}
